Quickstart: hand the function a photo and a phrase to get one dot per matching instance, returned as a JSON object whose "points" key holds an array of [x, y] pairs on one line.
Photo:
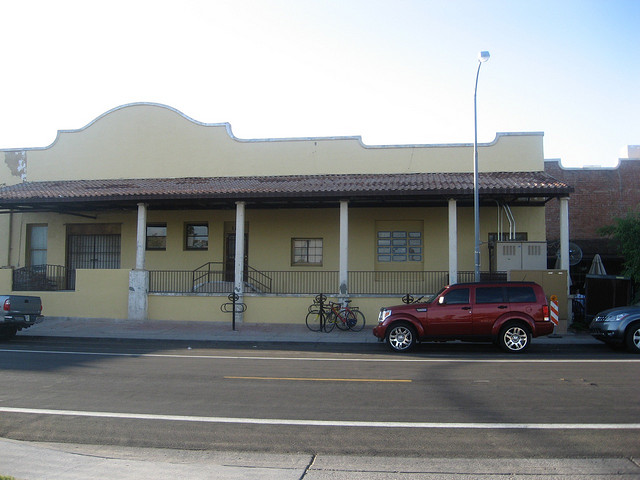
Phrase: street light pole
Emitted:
{"points": [[482, 57]]}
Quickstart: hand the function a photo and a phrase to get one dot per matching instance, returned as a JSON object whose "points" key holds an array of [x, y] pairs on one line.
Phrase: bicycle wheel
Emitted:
{"points": [[342, 319], [356, 322], [314, 320], [329, 321]]}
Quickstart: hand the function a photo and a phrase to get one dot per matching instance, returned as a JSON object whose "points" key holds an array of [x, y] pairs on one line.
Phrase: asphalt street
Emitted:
{"points": [[289, 410]]}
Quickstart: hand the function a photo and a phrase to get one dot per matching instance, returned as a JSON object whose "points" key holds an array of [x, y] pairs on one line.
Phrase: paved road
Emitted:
{"points": [[325, 401]]}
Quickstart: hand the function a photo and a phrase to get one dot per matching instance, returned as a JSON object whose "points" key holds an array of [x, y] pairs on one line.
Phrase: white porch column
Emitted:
{"points": [[453, 242], [139, 278], [344, 248], [238, 287], [141, 236], [564, 236]]}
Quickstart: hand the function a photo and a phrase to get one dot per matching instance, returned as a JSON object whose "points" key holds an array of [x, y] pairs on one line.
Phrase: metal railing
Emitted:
{"points": [[43, 278], [469, 277], [396, 283], [302, 282], [257, 281], [209, 279], [212, 278], [401, 283]]}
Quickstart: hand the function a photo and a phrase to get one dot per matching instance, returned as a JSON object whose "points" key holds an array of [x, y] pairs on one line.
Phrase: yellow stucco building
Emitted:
{"points": [[148, 214]]}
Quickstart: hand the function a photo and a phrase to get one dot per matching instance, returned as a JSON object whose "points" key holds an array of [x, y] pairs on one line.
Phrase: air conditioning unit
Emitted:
{"points": [[520, 256]]}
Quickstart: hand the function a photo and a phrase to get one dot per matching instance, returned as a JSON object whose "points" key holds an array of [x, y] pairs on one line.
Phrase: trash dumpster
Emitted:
{"points": [[606, 291]]}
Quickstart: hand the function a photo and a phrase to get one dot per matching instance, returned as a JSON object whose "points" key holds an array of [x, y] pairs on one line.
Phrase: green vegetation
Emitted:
{"points": [[626, 232]]}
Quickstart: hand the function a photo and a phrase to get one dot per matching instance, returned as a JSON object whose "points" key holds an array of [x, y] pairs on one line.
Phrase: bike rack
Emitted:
{"points": [[319, 300], [409, 299], [233, 307]]}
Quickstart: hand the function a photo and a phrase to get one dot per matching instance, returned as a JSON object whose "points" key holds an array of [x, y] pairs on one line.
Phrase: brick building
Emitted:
{"points": [[601, 194]]}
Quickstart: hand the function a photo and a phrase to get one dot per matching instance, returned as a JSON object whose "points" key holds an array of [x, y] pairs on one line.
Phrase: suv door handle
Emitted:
{"points": [[466, 308], [502, 307]]}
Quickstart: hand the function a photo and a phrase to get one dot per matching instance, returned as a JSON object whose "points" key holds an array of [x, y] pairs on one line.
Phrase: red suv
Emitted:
{"points": [[507, 313]]}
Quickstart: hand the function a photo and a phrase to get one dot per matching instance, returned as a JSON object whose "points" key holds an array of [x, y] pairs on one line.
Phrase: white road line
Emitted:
{"points": [[380, 359], [326, 423]]}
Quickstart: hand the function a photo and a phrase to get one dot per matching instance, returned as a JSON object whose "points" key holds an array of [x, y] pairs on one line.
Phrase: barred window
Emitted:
{"points": [[399, 246], [306, 251]]}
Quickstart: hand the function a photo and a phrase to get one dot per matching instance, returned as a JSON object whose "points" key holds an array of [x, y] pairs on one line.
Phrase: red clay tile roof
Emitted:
{"points": [[362, 186], [437, 183]]}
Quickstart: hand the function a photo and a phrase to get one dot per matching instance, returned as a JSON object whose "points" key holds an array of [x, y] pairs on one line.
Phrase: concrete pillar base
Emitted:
{"points": [[138, 294]]}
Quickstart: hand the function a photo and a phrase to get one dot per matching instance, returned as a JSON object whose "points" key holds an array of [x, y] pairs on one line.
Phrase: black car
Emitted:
{"points": [[618, 326]]}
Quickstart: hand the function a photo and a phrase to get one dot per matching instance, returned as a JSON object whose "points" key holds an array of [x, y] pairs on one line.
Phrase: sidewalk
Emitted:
{"points": [[51, 461], [193, 331], [209, 331]]}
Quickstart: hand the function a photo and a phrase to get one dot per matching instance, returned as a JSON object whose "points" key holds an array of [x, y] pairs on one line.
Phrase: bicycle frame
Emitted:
{"points": [[326, 316], [340, 316]]}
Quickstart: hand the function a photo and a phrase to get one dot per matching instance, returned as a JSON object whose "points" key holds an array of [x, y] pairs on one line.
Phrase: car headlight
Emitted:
{"points": [[384, 314], [616, 317]]}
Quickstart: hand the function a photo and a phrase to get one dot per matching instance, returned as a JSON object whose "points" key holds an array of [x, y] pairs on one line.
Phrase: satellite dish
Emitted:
{"points": [[575, 254]]}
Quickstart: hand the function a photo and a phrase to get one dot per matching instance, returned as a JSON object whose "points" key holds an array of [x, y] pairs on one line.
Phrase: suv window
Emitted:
{"points": [[458, 296], [521, 295], [489, 295]]}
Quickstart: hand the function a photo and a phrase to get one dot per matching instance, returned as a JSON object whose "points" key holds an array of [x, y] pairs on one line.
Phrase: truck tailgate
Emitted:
{"points": [[23, 305]]}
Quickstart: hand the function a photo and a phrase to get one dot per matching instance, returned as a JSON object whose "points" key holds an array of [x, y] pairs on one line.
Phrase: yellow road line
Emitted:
{"points": [[321, 379]]}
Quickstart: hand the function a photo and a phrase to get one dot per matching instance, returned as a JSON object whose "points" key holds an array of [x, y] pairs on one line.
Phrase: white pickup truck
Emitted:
{"points": [[18, 312]]}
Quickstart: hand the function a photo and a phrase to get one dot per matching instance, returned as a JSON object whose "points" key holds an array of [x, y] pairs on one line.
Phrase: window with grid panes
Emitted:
{"points": [[399, 246], [306, 251]]}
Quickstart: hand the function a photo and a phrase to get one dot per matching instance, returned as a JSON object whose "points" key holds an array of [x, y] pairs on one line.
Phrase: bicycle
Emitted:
{"points": [[344, 317]]}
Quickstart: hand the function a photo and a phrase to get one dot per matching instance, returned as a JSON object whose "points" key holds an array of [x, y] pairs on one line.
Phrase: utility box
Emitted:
{"points": [[553, 282], [520, 256]]}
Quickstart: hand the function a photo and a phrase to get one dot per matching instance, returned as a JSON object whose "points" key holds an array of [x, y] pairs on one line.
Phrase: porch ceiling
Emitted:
{"points": [[294, 191]]}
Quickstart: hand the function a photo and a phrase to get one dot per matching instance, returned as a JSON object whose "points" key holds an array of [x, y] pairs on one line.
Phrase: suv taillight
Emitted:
{"points": [[7, 305], [545, 313]]}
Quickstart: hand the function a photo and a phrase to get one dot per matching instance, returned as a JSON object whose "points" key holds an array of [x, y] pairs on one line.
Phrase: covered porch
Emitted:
{"points": [[335, 204]]}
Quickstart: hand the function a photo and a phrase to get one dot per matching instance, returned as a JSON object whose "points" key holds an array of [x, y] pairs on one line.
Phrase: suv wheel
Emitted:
{"points": [[514, 338], [633, 338], [401, 337]]}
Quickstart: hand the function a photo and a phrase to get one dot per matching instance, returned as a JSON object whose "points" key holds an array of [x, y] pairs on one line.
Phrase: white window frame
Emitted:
{"points": [[306, 252]]}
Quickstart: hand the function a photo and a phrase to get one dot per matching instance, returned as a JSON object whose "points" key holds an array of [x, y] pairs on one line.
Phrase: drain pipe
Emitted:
{"points": [[498, 236], [9, 245], [512, 222], [499, 226]]}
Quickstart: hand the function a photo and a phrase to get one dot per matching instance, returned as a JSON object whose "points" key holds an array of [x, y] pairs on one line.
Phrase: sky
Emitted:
{"points": [[393, 72]]}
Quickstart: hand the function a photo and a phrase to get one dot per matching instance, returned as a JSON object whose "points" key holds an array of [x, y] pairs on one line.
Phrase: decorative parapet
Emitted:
{"points": [[150, 140]]}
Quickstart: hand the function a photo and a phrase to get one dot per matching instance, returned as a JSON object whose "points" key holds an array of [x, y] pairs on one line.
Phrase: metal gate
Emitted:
{"points": [[92, 252]]}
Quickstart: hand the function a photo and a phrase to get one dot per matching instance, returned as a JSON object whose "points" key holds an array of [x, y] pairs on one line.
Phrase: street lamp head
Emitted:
{"points": [[483, 56]]}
